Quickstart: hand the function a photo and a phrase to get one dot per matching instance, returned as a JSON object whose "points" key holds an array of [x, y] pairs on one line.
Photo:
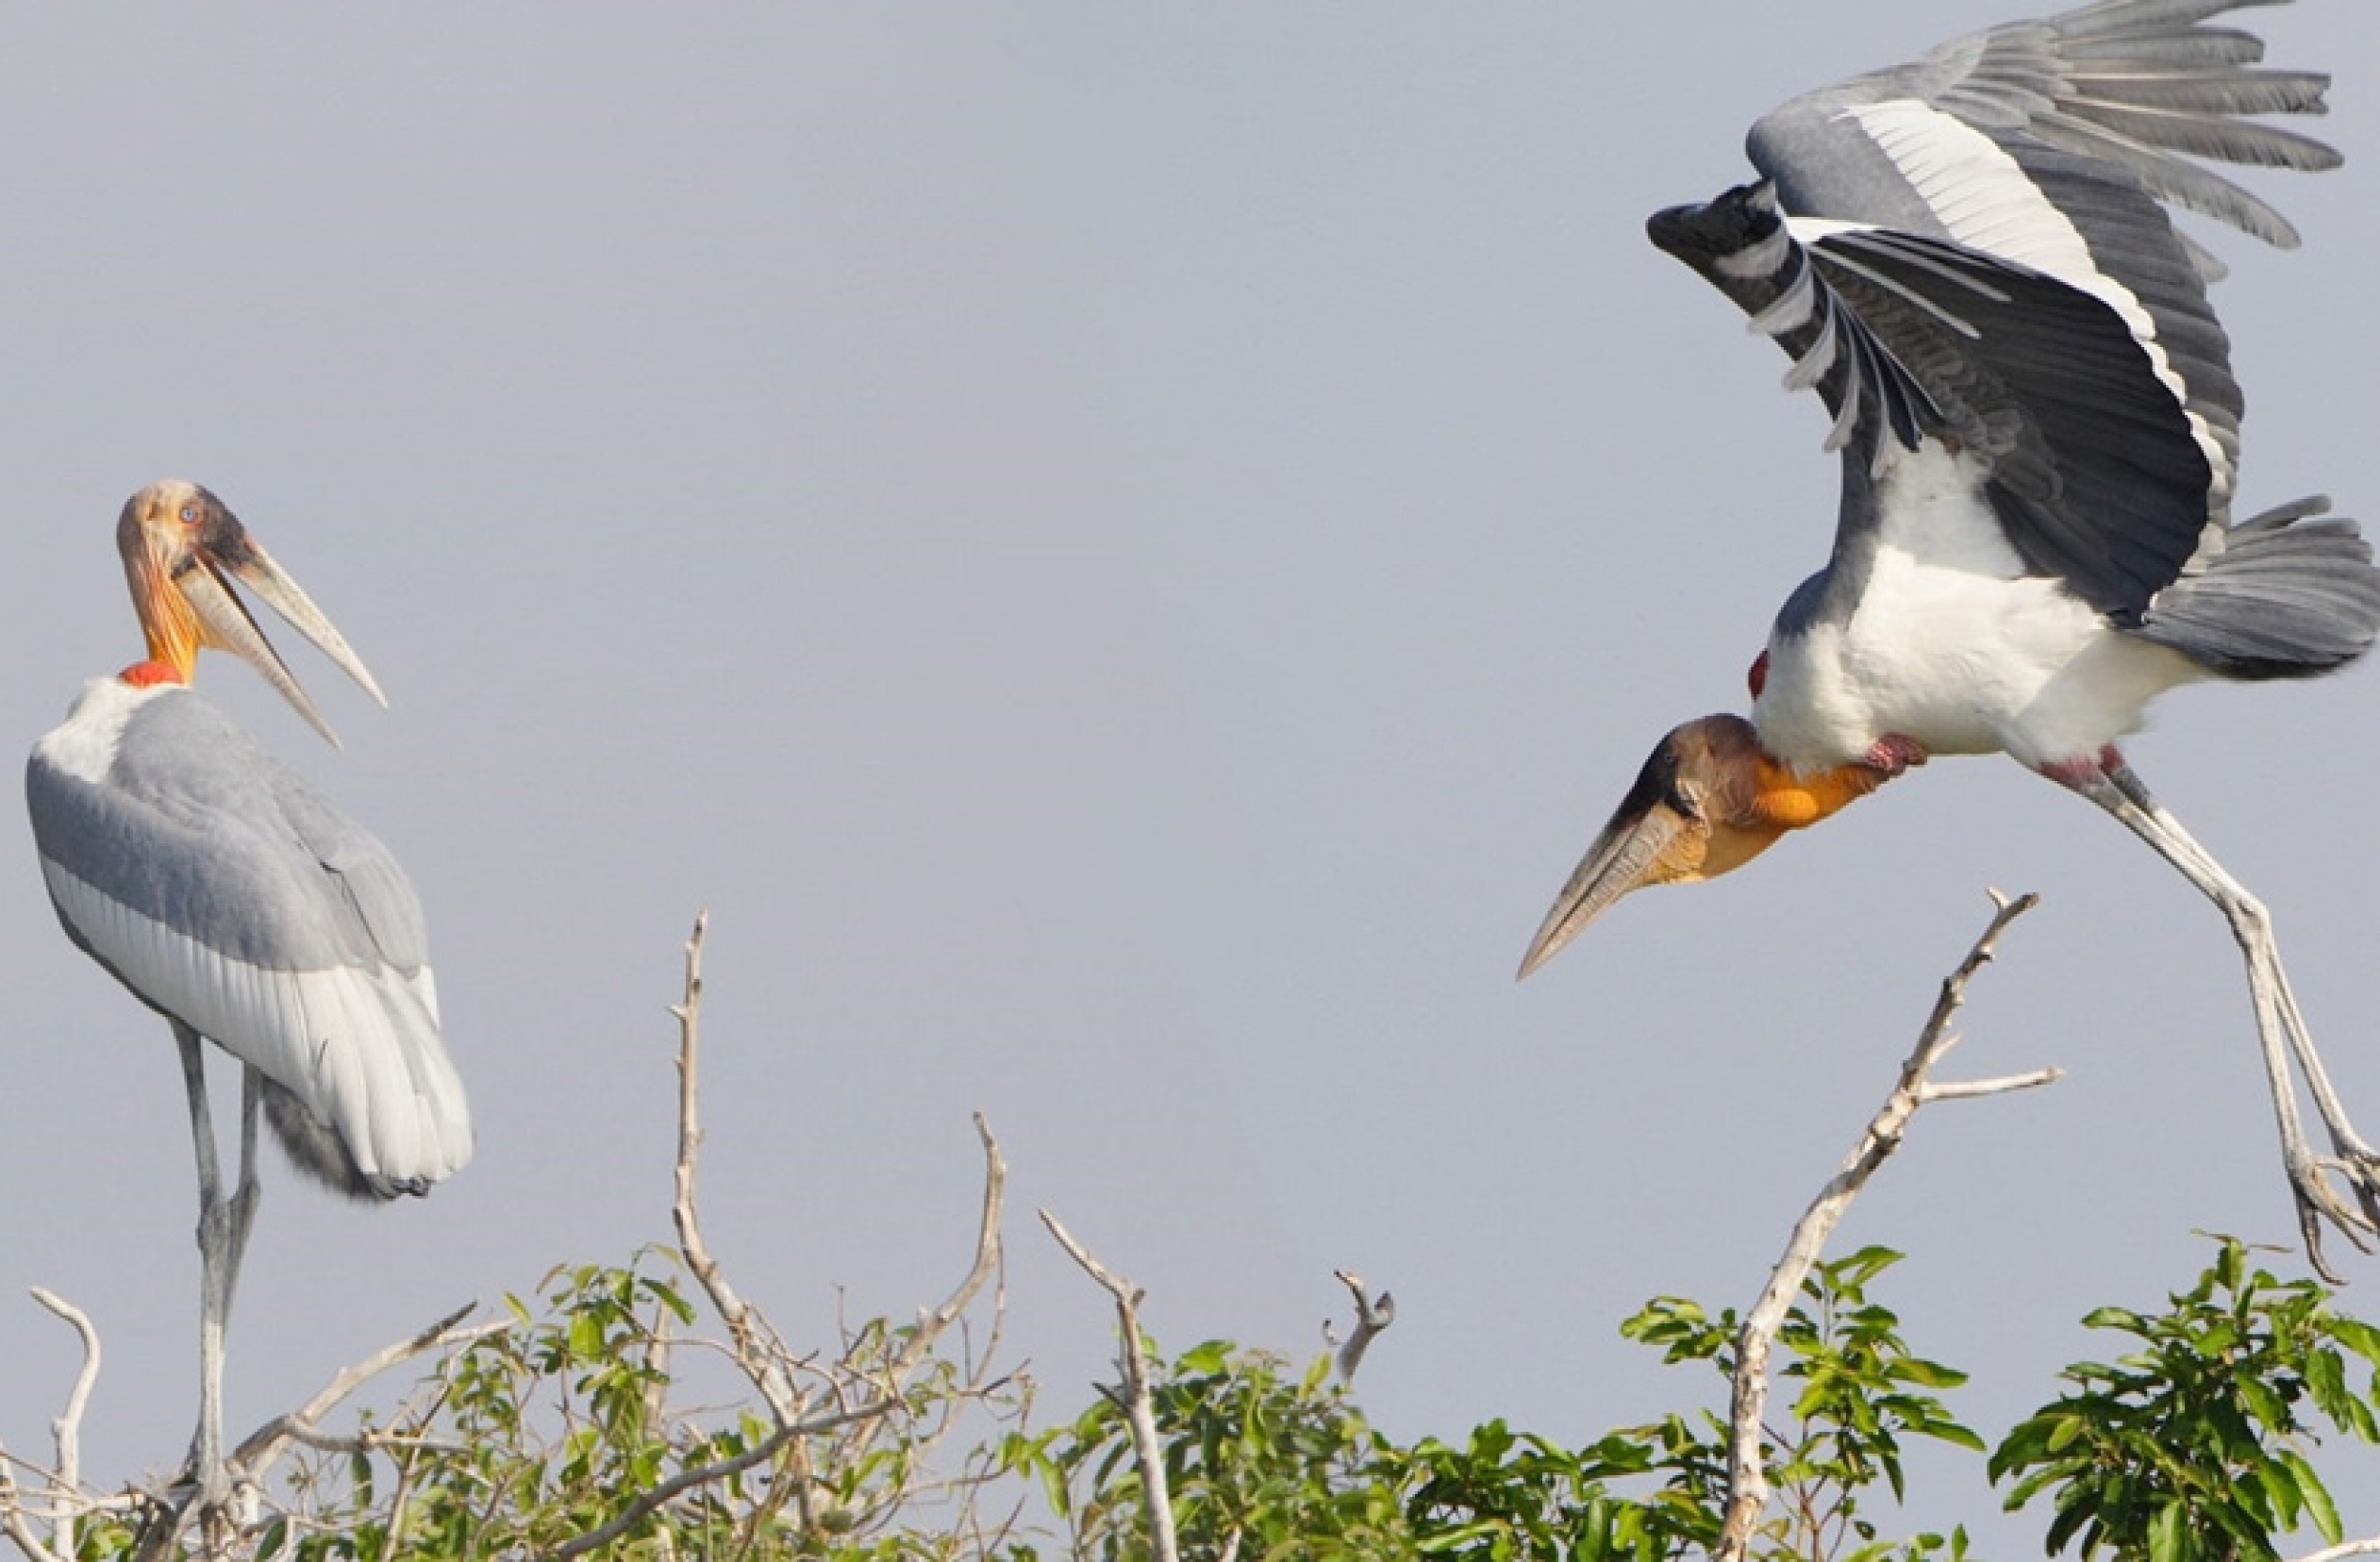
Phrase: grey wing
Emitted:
{"points": [[2058, 144], [218, 888], [2089, 462], [366, 895]]}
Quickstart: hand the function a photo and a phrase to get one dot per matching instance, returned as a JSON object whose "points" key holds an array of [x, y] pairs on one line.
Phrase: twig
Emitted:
{"points": [[369, 1441], [255, 1454], [987, 1262], [932, 1324], [66, 1431], [13, 1520], [649, 1501], [759, 1349], [1747, 1483], [1370, 1318], [1138, 1408], [2347, 1549], [2370, 1546], [67, 1428]]}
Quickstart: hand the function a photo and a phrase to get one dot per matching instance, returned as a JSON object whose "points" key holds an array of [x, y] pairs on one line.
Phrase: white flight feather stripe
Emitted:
{"points": [[1790, 310], [1847, 418], [1812, 365], [359, 1047], [1759, 260], [1985, 202]]}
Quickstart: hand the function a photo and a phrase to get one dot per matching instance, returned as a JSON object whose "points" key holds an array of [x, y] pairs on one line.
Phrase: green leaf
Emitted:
{"points": [[2264, 1404], [2115, 1318], [2166, 1535], [1951, 1432], [2318, 1500], [2358, 1336]]}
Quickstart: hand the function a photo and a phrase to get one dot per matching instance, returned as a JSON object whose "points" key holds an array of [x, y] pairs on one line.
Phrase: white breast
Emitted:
{"points": [[1953, 645]]}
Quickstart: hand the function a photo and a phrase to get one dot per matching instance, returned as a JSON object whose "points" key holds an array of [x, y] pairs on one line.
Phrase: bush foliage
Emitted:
{"points": [[532, 1437]]}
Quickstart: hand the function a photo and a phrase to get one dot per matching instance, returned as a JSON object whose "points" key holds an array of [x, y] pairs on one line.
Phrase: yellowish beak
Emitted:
{"points": [[1708, 801]]}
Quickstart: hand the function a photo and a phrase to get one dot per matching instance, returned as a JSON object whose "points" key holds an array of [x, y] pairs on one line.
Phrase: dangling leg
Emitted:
{"points": [[2117, 789], [2355, 1158], [222, 1239]]}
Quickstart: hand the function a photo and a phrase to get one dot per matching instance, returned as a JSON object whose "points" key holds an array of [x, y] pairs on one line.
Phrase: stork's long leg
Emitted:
{"points": [[2360, 1161], [222, 1239], [2280, 1028], [214, 1286]]}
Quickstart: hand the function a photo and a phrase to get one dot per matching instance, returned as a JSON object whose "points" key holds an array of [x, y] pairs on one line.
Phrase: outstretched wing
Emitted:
{"points": [[1974, 249], [2056, 144], [2087, 460]]}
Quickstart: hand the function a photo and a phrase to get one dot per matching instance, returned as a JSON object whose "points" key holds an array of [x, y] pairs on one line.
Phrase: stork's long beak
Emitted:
{"points": [[1708, 801], [179, 543], [1629, 853]]}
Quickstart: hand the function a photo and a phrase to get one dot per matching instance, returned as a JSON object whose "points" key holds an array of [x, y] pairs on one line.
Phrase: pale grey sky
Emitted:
{"points": [[1123, 556]]}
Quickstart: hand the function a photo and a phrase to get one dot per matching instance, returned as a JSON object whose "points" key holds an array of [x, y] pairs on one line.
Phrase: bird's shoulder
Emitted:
{"points": [[196, 825]]}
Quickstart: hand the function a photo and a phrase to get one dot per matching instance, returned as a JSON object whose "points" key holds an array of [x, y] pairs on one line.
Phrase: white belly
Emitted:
{"points": [[1953, 645]]}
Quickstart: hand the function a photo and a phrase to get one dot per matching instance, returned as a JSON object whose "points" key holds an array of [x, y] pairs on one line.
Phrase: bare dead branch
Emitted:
{"points": [[1968, 1090], [67, 1428], [12, 1516], [871, 1375], [1747, 1483], [893, 1378], [1139, 1408], [1370, 1318], [256, 1453], [2367, 1547], [759, 1351], [650, 1502], [987, 1261], [371, 1441], [66, 1433]]}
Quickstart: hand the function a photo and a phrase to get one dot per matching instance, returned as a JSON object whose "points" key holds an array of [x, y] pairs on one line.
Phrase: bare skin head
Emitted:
{"points": [[182, 547]]}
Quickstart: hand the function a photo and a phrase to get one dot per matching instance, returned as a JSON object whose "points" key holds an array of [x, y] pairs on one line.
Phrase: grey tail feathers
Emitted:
{"points": [[315, 1148], [2288, 595]]}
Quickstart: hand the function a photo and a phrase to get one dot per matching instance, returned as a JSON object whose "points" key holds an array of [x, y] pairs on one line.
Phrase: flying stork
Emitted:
{"points": [[213, 883], [1970, 259]]}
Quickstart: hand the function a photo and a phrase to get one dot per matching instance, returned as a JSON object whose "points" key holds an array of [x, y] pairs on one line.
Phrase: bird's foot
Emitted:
{"points": [[2318, 1201], [1894, 753], [204, 1476], [2358, 1164]]}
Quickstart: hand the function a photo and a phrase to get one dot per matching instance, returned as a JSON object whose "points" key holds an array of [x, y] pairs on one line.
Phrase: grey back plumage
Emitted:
{"points": [[224, 892]]}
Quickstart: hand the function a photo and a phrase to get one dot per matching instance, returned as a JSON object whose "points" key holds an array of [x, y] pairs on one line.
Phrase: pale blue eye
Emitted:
{"points": [[190, 515]]}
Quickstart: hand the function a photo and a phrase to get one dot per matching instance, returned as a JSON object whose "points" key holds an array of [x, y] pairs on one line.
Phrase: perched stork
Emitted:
{"points": [[232, 900], [1970, 258]]}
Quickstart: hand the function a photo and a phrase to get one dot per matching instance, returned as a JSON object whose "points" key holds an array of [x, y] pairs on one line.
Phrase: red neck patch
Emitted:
{"points": [[148, 674]]}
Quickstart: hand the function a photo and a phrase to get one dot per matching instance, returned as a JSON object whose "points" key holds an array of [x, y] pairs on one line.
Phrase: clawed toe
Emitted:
{"points": [[2317, 1202], [2360, 1166]]}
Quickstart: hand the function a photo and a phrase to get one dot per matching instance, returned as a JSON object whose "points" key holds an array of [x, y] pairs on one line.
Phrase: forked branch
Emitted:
{"points": [[1372, 1317], [759, 1349], [1747, 1483], [1139, 1405]]}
